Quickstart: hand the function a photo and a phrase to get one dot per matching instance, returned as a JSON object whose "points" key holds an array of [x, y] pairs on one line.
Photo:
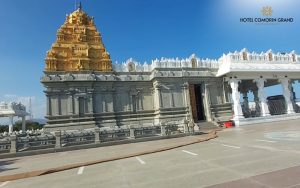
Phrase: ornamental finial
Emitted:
{"points": [[79, 6]]}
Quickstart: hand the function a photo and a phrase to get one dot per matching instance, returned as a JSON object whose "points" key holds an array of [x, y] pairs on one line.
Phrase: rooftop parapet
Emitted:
{"points": [[263, 57], [244, 61], [192, 62]]}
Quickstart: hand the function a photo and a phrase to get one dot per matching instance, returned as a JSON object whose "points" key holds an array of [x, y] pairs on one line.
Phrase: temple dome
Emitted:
{"points": [[79, 17], [78, 46]]}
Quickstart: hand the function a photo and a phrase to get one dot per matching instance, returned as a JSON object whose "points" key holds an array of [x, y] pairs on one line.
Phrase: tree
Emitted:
{"points": [[18, 126]]}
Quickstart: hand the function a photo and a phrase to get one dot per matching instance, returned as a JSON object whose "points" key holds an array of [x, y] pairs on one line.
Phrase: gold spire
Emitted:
{"points": [[78, 46], [80, 6]]}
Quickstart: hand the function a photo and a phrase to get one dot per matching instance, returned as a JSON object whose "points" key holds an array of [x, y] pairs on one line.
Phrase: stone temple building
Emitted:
{"points": [[84, 89]]}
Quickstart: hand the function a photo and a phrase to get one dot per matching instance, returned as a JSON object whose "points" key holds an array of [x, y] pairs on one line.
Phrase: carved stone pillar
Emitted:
{"points": [[286, 90], [90, 102], [104, 103], [49, 108], [57, 134], [238, 114], [97, 135], [135, 104], [76, 105], [246, 102], [10, 126], [172, 98], [256, 100], [114, 97], [132, 133], [260, 83], [185, 95], [163, 131], [70, 104], [23, 124], [129, 101], [158, 97], [140, 100], [57, 105], [13, 143], [186, 98]]}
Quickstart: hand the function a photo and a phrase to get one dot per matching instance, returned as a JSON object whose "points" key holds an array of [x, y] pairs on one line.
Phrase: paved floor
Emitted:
{"points": [[262, 155]]}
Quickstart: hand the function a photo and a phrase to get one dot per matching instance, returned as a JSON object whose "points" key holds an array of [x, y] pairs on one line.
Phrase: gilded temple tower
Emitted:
{"points": [[85, 90], [78, 52], [78, 46]]}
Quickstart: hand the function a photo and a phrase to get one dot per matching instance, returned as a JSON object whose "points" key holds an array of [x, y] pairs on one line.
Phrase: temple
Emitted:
{"points": [[85, 90], [13, 109]]}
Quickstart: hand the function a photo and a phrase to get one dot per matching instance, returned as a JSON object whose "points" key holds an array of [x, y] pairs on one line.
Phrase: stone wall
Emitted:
{"points": [[107, 99]]}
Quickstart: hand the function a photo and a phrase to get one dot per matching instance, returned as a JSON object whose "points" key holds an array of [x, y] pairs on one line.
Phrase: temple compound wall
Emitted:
{"points": [[84, 89], [80, 100]]}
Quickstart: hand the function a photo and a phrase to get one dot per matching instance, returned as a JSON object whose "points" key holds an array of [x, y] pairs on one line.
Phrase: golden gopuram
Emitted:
{"points": [[82, 91], [78, 46], [85, 90]]}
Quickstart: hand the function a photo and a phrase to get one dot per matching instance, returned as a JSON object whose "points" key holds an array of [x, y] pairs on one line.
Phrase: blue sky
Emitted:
{"points": [[141, 29]]}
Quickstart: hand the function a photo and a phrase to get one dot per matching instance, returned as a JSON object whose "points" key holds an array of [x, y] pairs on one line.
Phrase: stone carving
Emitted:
{"points": [[286, 88], [262, 97], [128, 78], [261, 93], [191, 126], [234, 83], [102, 78], [110, 77], [158, 74], [69, 77], [46, 78], [157, 85], [193, 61], [185, 73], [171, 73], [131, 67], [91, 77], [56, 78], [139, 78]]}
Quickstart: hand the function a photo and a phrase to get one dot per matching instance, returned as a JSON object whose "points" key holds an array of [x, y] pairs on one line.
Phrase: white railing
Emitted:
{"points": [[192, 62], [244, 56]]}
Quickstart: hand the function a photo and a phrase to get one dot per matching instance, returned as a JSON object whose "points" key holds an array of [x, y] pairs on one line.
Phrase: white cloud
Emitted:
{"points": [[9, 96]]}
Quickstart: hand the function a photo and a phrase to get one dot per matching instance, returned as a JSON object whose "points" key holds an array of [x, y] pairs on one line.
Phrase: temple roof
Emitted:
{"points": [[12, 109], [244, 61], [78, 46]]}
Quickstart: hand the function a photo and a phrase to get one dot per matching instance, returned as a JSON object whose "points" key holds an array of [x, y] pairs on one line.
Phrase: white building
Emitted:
{"points": [[13, 109]]}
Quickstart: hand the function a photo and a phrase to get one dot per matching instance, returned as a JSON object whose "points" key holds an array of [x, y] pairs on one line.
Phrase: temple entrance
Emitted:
{"points": [[197, 102]]}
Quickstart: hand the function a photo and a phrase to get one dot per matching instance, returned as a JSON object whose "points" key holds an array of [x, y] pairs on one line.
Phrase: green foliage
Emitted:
{"points": [[18, 126], [3, 128]]}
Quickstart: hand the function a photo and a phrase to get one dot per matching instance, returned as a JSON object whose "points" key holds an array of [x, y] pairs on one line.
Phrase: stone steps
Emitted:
{"points": [[221, 113], [206, 125]]}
